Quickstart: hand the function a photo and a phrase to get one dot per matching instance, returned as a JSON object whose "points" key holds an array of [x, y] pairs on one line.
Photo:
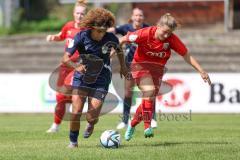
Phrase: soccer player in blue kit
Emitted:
{"points": [[93, 73], [136, 22]]}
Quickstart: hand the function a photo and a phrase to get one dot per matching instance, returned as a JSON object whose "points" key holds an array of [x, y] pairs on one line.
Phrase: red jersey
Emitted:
{"points": [[67, 33], [154, 50]]}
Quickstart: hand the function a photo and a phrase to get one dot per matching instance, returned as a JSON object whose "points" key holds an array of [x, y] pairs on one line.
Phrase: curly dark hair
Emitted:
{"points": [[98, 17]]}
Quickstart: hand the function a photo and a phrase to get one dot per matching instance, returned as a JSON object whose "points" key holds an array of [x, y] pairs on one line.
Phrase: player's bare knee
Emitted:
{"points": [[148, 94]]}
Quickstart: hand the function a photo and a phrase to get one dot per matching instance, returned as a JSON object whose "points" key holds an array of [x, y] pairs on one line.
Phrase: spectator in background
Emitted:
{"points": [[69, 30], [136, 22]]}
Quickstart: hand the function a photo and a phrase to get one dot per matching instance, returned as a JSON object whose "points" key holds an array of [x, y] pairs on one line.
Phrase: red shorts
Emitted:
{"points": [[65, 76], [147, 69]]}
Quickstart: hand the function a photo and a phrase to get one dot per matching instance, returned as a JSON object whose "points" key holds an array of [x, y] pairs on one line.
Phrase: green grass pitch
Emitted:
{"points": [[23, 137]]}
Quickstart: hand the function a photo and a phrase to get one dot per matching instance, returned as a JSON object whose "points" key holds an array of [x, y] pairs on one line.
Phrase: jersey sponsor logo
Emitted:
{"points": [[165, 46], [133, 37], [69, 32], [157, 54], [68, 40], [70, 43]]}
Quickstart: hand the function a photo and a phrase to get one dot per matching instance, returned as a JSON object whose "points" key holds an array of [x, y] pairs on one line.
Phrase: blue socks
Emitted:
{"points": [[73, 136], [126, 109]]}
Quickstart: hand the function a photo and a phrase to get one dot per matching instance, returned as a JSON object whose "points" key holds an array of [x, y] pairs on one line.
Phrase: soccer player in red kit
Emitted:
{"points": [[136, 22], [69, 30], [154, 49]]}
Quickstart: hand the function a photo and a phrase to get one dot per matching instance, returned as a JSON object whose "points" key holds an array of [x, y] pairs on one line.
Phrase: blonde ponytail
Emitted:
{"points": [[168, 20]]}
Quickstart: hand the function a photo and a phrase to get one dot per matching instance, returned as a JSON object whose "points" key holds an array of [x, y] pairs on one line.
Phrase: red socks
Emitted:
{"points": [[138, 116], [147, 113], [61, 107], [143, 112]]}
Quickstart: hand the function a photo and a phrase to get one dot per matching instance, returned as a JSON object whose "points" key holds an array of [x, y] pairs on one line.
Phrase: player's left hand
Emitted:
{"points": [[81, 68], [50, 38], [205, 77]]}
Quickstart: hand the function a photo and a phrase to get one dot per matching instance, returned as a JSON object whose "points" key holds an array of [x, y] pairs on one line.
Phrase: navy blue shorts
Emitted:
{"points": [[96, 87]]}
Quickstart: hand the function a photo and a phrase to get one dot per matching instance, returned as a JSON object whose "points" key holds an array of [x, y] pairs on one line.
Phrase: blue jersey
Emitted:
{"points": [[86, 45], [130, 48], [96, 56]]}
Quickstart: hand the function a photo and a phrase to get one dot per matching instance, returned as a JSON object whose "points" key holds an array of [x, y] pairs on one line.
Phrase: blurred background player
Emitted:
{"points": [[69, 30], [136, 22], [153, 51], [92, 75]]}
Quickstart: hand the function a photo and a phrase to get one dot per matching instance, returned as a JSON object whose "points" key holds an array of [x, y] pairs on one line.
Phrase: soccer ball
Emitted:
{"points": [[110, 139]]}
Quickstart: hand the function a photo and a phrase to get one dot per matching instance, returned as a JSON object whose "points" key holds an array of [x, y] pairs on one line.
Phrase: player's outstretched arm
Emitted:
{"points": [[193, 62], [54, 37], [123, 68]]}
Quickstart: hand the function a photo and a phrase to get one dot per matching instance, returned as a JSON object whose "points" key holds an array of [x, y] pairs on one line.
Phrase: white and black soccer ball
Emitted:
{"points": [[110, 139]]}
